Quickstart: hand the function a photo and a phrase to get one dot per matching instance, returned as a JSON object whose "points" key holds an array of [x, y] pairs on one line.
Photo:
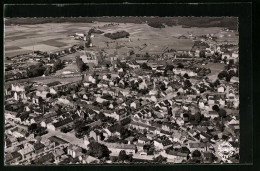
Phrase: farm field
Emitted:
{"points": [[143, 38], [47, 79]]}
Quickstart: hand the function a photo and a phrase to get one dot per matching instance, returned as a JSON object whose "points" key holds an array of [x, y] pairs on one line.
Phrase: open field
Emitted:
{"points": [[41, 47], [229, 22], [54, 42], [215, 69], [47, 79], [8, 48], [143, 38]]}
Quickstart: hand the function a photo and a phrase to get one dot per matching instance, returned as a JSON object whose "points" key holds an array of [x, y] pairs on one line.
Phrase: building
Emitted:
{"points": [[115, 148], [74, 151], [89, 58]]}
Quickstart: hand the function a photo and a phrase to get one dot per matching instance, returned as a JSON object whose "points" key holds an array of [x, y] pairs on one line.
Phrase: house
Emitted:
{"points": [[57, 154], [130, 140], [28, 151], [197, 146], [221, 89], [138, 125], [143, 140], [38, 147], [162, 144], [63, 100], [234, 55], [115, 148], [95, 135], [139, 146], [45, 122], [213, 114], [150, 136], [176, 156], [74, 151], [125, 92], [47, 158], [142, 85], [13, 158], [89, 58], [226, 55], [58, 125], [17, 87], [88, 159], [42, 94]]}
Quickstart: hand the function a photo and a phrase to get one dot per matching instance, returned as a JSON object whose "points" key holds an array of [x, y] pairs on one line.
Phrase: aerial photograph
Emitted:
{"points": [[121, 90]]}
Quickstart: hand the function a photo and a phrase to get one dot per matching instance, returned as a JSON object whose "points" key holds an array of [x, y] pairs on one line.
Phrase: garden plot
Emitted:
{"points": [[40, 47]]}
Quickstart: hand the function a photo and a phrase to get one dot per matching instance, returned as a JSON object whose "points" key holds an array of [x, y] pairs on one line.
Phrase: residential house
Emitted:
{"points": [[74, 151], [143, 140], [28, 151], [115, 148]]}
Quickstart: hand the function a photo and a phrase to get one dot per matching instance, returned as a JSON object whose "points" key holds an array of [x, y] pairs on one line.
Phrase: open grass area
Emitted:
{"points": [[8, 48], [41, 47], [215, 68], [54, 42], [142, 39]]}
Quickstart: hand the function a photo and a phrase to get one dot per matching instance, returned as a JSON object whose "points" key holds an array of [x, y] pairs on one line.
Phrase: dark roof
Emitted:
{"points": [[144, 139], [53, 83], [15, 154], [38, 146], [8, 157], [44, 158], [63, 122], [57, 140], [165, 132]]}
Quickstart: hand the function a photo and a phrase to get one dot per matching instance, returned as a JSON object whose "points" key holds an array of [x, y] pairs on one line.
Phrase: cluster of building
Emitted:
{"points": [[145, 111]]}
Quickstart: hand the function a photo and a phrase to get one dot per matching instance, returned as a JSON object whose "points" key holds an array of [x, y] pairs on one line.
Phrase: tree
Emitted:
{"points": [[220, 126], [197, 117], [163, 87], [216, 83], [160, 159], [222, 113], [81, 65], [232, 73], [180, 65], [58, 64], [186, 76], [113, 159], [196, 153], [169, 67], [101, 116], [231, 62], [228, 78], [187, 84], [98, 150], [122, 156], [222, 74], [145, 66], [32, 127], [202, 54], [48, 95], [215, 108], [124, 133], [156, 24], [202, 89]]}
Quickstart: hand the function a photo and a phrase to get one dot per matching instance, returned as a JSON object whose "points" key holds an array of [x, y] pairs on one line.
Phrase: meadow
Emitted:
{"points": [[142, 39]]}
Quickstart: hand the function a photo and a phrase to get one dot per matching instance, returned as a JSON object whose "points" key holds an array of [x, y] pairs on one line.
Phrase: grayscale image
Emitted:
{"points": [[113, 90]]}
